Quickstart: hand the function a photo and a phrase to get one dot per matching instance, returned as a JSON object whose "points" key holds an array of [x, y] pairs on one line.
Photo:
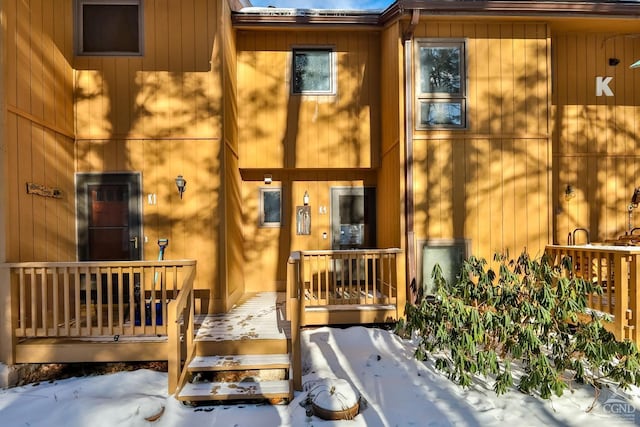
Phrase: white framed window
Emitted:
{"points": [[270, 207], [313, 71], [441, 89], [110, 28]]}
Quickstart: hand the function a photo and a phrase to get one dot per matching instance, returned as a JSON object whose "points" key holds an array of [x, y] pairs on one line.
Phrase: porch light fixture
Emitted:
{"points": [[268, 179], [181, 183], [305, 199], [569, 192], [635, 64], [635, 199]]}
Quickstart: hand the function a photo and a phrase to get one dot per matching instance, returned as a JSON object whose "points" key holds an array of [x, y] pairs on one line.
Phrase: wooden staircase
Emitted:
{"points": [[242, 355]]}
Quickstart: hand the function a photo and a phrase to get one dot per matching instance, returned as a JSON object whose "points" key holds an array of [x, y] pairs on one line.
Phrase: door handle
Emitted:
{"points": [[134, 241]]}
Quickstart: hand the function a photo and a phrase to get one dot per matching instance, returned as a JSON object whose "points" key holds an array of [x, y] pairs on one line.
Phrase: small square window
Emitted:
{"points": [[313, 71], [108, 27], [270, 207]]}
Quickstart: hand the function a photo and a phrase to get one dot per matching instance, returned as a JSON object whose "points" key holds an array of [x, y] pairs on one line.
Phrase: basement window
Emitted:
{"points": [[270, 207], [441, 89], [449, 254], [110, 28], [313, 71]]}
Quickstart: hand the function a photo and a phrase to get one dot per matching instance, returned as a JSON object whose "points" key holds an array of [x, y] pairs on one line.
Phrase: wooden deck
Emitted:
{"points": [[60, 312], [256, 316]]}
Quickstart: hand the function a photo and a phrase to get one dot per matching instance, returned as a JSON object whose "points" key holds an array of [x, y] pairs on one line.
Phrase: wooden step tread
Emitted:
{"points": [[239, 362], [232, 391]]}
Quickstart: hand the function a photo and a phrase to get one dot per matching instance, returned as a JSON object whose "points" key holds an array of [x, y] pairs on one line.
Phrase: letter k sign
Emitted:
{"points": [[602, 86]]}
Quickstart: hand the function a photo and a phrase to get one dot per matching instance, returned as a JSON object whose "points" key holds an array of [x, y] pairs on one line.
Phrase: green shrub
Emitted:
{"points": [[528, 312]]}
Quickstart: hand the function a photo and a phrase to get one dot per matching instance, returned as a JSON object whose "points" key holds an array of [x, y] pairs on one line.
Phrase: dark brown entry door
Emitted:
{"points": [[109, 217]]}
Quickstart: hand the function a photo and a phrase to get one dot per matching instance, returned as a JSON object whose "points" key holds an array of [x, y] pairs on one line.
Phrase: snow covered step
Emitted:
{"points": [[281, 389], [239, 362]]}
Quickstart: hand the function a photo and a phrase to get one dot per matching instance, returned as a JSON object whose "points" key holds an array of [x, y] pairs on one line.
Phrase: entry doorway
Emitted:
{"points": [[353, 217], [109, 216]]}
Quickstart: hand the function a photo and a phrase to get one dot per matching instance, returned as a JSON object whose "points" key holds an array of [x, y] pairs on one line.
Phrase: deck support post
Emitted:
{"points": [[293, 315], [8, 317]]}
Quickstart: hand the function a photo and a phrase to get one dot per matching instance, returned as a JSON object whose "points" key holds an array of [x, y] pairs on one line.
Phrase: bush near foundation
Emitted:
{"points": [[528, 313]]}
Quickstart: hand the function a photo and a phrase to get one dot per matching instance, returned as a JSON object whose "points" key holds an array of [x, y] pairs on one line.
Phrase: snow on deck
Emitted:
{"points": [[261, 316]]}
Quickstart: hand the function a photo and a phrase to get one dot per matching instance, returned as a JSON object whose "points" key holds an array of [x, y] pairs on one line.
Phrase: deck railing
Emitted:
{"points": [[340, 280], [91, 299], [181, 332], [616, 269]]}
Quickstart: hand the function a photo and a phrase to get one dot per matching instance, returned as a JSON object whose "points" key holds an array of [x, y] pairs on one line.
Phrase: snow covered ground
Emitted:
{"points": [[398, 390]]}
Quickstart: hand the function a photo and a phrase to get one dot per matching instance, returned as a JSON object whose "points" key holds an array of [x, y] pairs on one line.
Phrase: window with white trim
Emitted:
{"points": [[441, 84], [313, 71], [270, 207], [108, 27]]}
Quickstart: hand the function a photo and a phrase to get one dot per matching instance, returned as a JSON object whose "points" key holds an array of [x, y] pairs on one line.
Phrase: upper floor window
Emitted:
{"points": [[108, 27], [313, 71], [441, 88]]}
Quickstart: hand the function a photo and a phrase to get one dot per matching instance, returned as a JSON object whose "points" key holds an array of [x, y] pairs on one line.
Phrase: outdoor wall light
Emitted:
{"points": [[268, 179], [305, 199], [569, 192], [614, 61], [181, 183], [635, 65], [635, 199]]}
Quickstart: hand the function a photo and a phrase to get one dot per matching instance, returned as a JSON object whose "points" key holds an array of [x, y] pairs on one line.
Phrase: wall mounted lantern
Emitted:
{"points": [[569, 192], [268, 179], [181, 183], [635, 65], [305, 199], [635, 199]]}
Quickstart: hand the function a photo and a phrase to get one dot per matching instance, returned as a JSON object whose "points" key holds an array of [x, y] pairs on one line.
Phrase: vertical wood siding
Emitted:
{"points": [[170, 92], [39, 129], [232, 264], [280, 130], [266, 250], [390, 194], [596, 144], [491, 182], [161, 114]]}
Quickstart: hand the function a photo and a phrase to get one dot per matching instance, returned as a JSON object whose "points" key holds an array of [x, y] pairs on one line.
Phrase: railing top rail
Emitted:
{"points": [[349, 252], [625, 250], [84, 264]]}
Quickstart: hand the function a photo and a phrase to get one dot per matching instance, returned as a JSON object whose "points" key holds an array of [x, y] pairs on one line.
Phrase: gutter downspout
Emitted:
{"points": [[407, 38]]}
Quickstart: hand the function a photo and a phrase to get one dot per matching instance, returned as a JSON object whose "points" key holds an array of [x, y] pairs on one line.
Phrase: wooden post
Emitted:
{"points": [[621, 283], [9, 316], [634, 297], [173, 345], [401, 288], [293, 287]]}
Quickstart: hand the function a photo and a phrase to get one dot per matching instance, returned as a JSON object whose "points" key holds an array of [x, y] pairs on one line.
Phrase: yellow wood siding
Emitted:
{"points": [[161, 114], [266, 250], [596, 145], [232, 263], [390, 194], [490, 183], [38, 130], [190, 223], [280, 130], [167, 93]]}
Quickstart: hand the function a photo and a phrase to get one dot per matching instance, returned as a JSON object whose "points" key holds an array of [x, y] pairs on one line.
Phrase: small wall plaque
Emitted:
{"points": [[41, 190]]}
